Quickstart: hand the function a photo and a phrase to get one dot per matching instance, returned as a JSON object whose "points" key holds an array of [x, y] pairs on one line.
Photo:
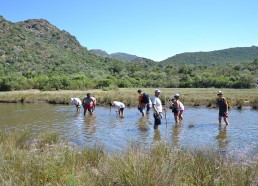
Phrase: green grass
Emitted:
{"points": [[189, 96], [48, 160]]}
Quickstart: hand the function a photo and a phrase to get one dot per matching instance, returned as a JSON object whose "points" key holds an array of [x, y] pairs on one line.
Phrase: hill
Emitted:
{"points": [[123, 56], [40, 47], [220, 57], [99, 52], [119, 55], [35, 54]]}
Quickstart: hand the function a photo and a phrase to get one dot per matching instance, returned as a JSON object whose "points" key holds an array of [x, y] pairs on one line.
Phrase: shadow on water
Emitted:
{"points": [[199, 128]]}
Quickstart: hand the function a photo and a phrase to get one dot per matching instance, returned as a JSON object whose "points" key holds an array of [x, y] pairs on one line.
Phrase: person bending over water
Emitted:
{"points": [[77, 102], [120, 109]]}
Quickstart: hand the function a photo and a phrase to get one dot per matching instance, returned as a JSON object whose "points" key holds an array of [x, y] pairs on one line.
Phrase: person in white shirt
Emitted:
{"points": [[157, 107], [121, 107], [77, 102]]}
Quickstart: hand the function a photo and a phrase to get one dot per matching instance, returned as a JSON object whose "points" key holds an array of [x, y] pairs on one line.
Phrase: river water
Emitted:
{"points": [[198, 129]]}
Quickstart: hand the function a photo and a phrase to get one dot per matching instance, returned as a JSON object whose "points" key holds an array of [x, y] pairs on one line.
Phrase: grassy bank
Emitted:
{"points": [[47, 160], [189, 96]]}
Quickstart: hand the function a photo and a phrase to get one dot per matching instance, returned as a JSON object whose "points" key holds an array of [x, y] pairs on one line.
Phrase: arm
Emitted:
{"points": [[139, 99], [154, 105]]}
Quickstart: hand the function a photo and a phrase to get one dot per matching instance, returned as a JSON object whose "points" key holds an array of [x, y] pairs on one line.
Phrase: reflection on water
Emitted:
{"points": [[176, 130], [199, 127]]}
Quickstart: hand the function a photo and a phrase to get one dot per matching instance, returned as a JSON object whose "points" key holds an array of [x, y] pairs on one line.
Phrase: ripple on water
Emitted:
{"points": [[199, 127]]}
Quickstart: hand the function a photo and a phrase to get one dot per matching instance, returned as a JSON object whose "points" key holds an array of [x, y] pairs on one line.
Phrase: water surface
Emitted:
{"points": [[199, 128]]}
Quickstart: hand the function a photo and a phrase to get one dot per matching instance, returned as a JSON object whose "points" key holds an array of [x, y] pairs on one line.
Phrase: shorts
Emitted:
{"points": [[78, 106], [148, 107], [157, 118], [223, 114], [121, 109], [175, 110], [88, 106], [141, 108]]}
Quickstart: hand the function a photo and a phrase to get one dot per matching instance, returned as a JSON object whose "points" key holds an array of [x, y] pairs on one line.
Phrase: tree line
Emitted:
{"points": [[119, 75]]}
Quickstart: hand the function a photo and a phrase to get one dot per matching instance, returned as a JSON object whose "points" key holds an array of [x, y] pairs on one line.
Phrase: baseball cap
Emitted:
{"points": [[176, 95], [157, 90]]}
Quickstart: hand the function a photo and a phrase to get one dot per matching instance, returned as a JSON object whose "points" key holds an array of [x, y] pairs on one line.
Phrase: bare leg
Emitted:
{"points": [[90, 111], [220, 120], [226, 120], [180, 116], [176, 117]]}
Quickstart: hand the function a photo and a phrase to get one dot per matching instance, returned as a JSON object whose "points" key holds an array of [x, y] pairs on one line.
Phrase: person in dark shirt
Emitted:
{"points": [[223, 107]]}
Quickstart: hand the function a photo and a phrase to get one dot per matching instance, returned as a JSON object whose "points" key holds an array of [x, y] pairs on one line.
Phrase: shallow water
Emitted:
{"points": [[198, 129]]}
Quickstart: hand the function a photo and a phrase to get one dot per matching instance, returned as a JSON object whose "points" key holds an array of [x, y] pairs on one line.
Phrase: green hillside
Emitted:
{"points": [[123, 56], [219, 57], [39, 47], [35, 54]]}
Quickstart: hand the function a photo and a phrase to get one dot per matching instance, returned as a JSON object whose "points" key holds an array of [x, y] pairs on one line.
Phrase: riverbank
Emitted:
{"points": [[48, 160], [189, 96]]}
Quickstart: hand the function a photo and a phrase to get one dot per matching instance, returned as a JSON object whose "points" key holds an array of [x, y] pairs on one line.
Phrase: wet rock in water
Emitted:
{"points": [[191, 126]]}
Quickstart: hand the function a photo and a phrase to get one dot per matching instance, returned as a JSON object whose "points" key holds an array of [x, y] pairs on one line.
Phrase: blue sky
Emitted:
{"points": [[146, 28]]}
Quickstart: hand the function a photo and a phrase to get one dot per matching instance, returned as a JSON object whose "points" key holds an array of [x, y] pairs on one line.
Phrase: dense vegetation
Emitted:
{"points": [[34, 54], [219, 57], [48, 160]]}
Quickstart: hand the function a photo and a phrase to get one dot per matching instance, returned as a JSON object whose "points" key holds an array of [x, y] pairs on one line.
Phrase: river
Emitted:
{"points": [[198, 129]]}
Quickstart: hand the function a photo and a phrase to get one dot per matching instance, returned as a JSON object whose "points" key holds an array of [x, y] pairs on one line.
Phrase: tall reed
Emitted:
{"points": [[48, 160]]}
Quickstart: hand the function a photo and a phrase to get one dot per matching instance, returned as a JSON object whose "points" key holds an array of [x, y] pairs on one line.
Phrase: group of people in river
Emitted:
{"points": [[145, 103]]}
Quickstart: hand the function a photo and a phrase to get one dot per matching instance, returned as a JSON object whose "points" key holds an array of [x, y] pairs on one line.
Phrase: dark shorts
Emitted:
{"points": [[121, 109], [157, 119], [141, 108], [223, 114], [175, 110], [148, 107]]}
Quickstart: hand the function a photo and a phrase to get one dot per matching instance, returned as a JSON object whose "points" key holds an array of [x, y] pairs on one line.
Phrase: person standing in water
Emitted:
{"points": [[94, 104], [223, 107], [88, 103], [157, 108], [180, 107], [142, 105]]}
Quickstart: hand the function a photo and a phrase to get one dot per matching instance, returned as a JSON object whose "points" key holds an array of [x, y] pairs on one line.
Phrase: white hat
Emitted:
{"points": [[176, 95], [220, 92], [157, 90], [71, 100]]}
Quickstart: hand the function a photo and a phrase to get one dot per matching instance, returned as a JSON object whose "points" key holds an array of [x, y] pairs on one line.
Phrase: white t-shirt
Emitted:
{"points": [[181, 106], [156, 101], [76, 101], [119, 104], [150, 103]]}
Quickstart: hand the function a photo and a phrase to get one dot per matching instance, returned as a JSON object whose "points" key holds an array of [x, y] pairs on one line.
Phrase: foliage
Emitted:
{"points": [[34, 54], [53, 161]]}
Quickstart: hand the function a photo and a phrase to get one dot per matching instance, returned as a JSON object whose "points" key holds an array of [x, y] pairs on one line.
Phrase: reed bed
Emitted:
{"points": [[239, 98], [26, 159]]}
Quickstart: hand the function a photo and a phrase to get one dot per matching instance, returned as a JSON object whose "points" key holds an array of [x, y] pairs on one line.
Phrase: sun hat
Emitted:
{"points": [[157, 90], [220, 92]]}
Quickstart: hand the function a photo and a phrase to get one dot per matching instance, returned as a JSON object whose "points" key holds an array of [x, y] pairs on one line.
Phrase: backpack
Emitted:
{"points": [[228, 103], [145, 98]]}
